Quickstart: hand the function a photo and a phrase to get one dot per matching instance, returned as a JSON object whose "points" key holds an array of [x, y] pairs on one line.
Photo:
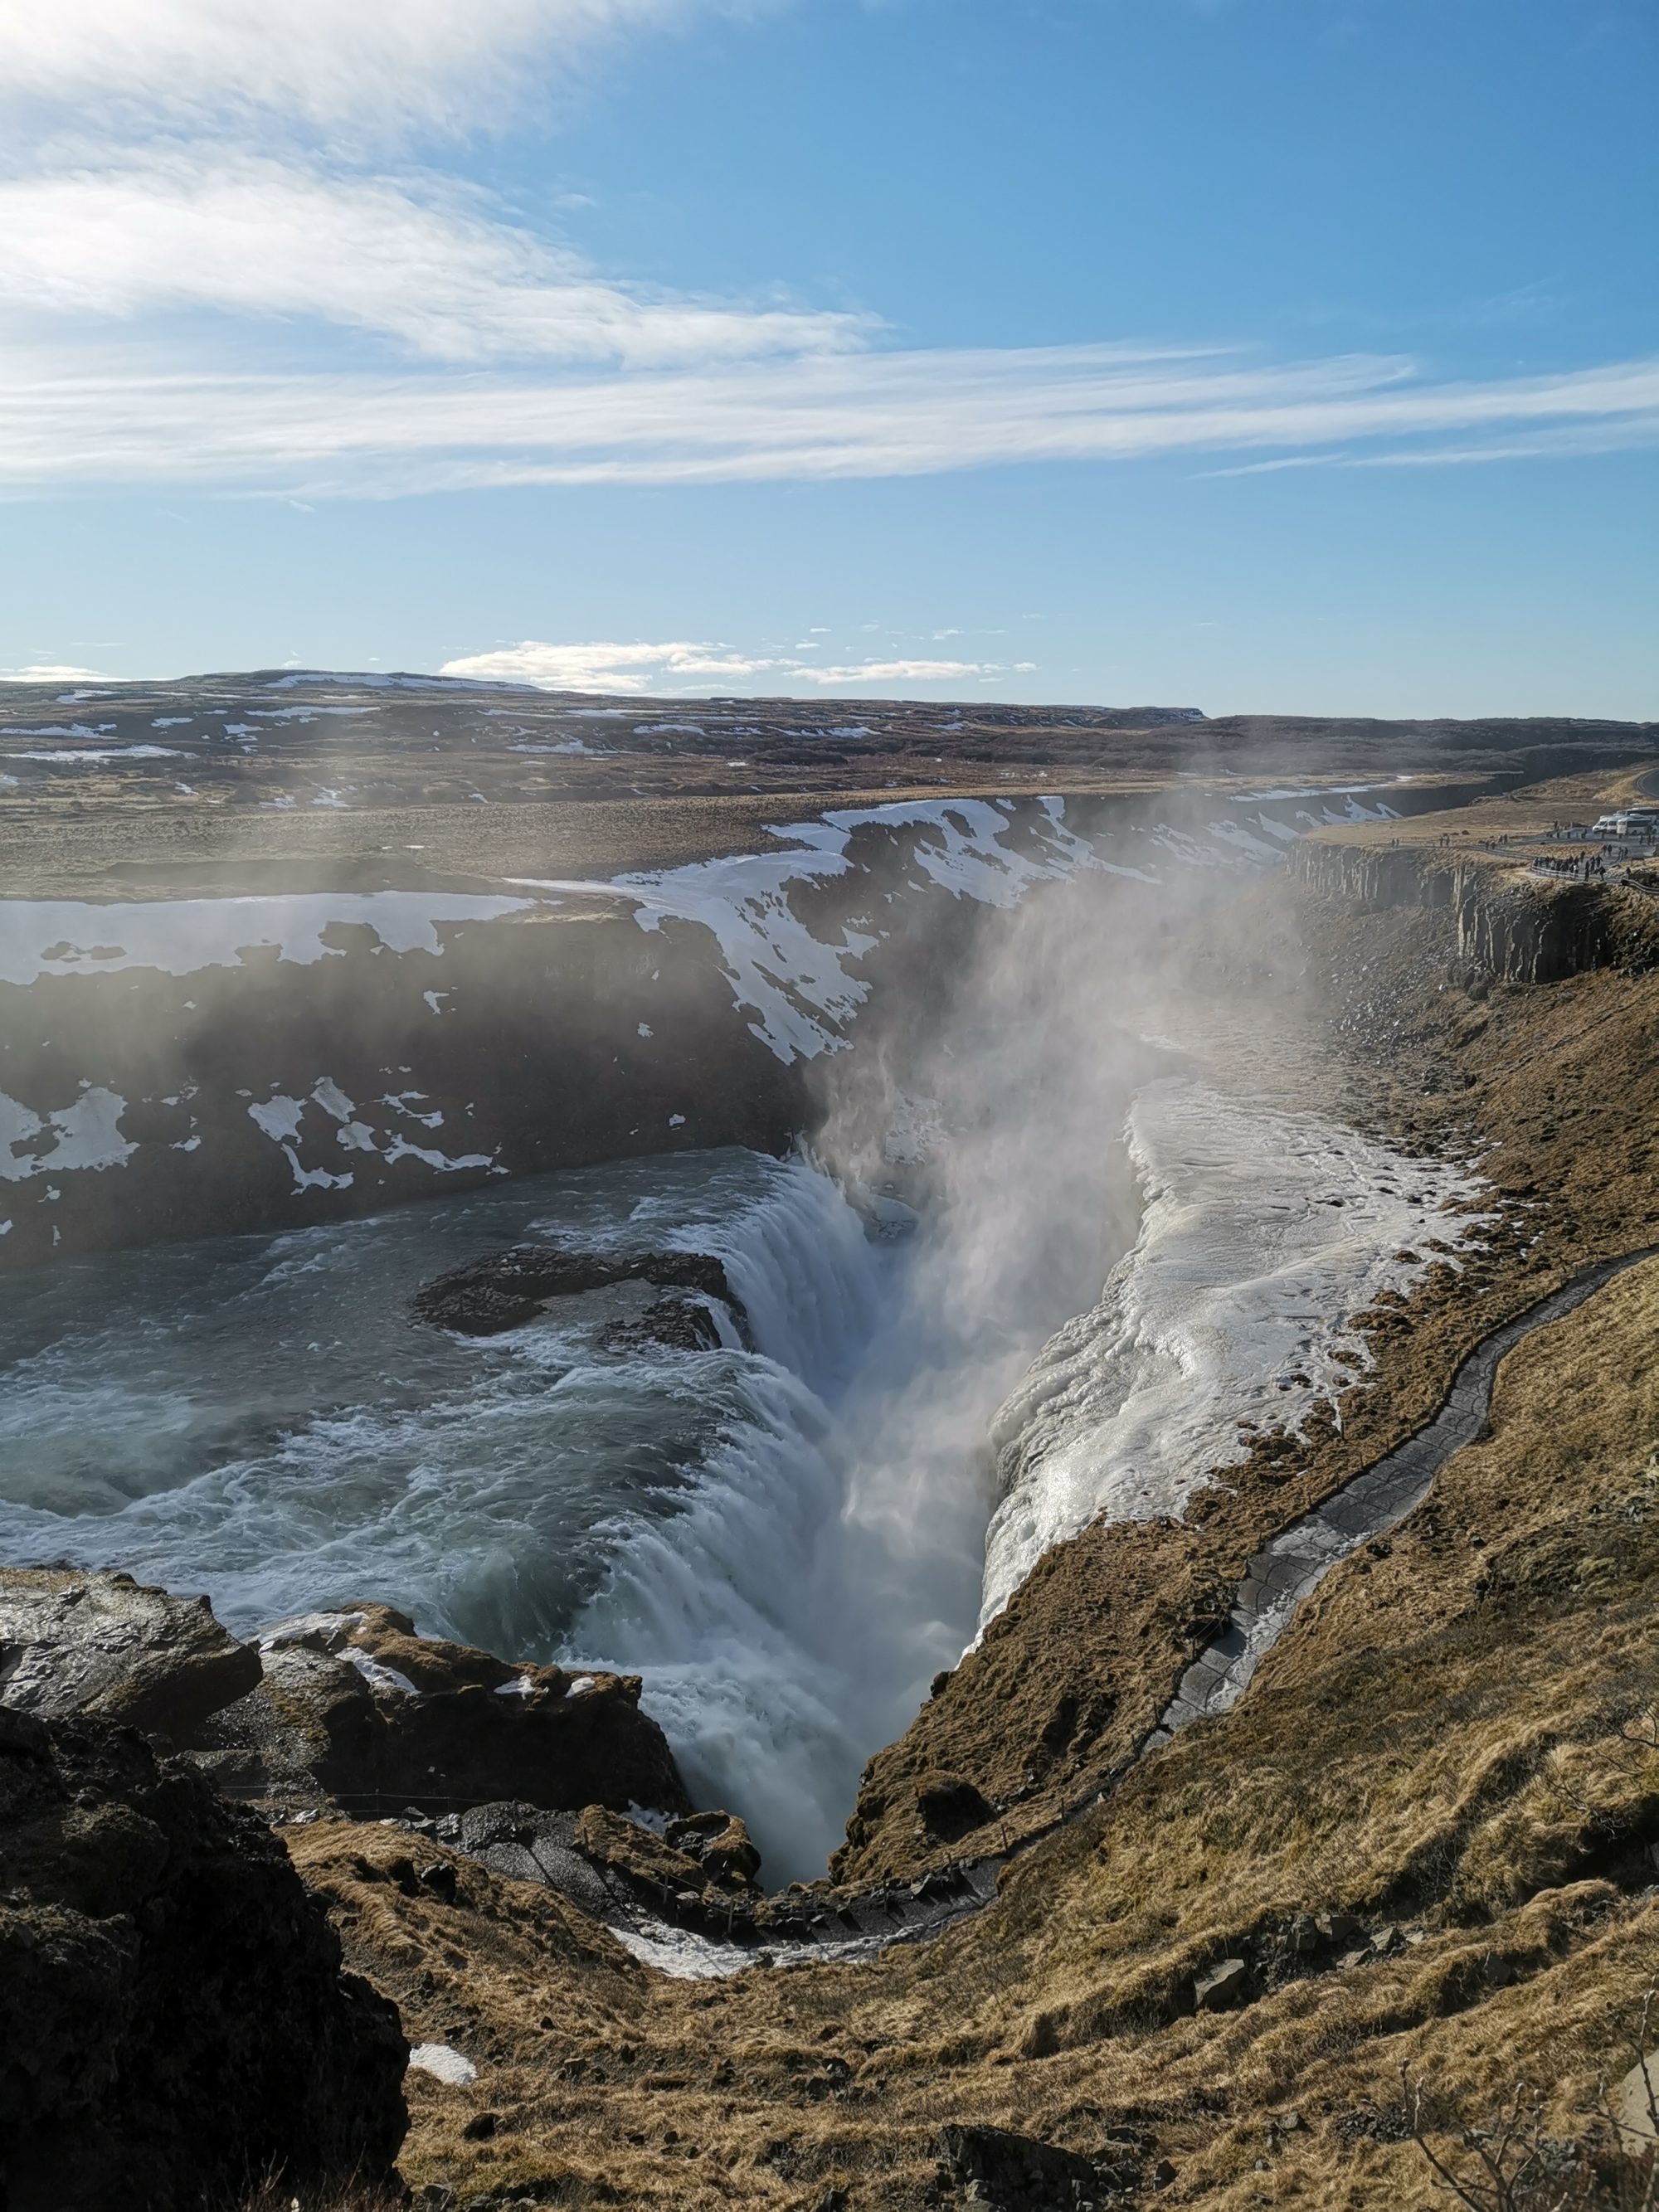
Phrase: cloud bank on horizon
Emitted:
{"points": [[640, 669], [240, 251]]}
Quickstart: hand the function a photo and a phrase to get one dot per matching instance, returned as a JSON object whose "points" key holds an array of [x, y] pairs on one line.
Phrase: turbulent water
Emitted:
{"points": [[1265, 1231], [786, 1542]]}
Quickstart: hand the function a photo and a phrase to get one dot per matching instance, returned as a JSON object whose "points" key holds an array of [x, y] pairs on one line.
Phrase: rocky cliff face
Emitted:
{"points": [[1512, 927], [189, 1066], [106, 1647], [349, 1705], [174, 2023]]}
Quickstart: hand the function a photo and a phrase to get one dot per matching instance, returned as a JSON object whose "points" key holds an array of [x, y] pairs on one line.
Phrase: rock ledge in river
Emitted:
{"points": [[501, 1289]]}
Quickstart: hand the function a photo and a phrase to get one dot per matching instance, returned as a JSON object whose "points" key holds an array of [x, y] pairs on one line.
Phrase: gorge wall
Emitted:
{"points": [[1512, 925], [178, 1067]]}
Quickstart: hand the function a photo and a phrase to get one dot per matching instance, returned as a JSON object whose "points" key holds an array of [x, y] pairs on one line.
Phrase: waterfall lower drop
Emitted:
{"points": [[826, 1560], [732, 1606]]}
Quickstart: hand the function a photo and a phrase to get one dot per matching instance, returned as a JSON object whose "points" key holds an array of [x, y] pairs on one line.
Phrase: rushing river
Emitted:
{"points": [[786, 1542]]}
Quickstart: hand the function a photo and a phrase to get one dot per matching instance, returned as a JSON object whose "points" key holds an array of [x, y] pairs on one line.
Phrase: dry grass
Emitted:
{"points": [[1450, 1737]]}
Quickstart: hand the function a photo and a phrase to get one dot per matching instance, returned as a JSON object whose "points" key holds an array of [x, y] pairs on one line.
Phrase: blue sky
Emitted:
{"points": [[1244, 353]]}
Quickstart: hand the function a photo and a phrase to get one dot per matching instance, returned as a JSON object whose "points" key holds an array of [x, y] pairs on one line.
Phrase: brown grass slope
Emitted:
{"points": [[1450, 1739], [1450, 1743]]}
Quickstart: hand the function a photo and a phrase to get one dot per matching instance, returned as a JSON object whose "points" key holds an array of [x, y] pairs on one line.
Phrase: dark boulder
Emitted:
{"points": [[719, 1842], [501, 1289], [683, 1324], [1019, 2173], [354, 1704], [174, 2021], [950, 1807], [106, 1645], [1226, 1984], [528, 1843]]}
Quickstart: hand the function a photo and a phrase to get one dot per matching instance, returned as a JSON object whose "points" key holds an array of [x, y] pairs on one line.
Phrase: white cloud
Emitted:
{"points": [[622, 668], [426, 265], [127, 414], [190, 217], [900, 671], [383, 65], [637, 668], [50, 671]]}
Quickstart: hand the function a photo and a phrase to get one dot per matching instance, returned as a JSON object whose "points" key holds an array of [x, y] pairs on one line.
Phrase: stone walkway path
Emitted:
{"points": [[1297, 1559]]}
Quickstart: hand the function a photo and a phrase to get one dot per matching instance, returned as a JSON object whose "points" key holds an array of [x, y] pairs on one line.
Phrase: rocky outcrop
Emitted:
{"points": [[699, 1875], [503, 1290], [1019, 2173], [677, 1324], [352, 1703], [1508, 924], [720, 1844], [174, 2021], [106, 1645]]}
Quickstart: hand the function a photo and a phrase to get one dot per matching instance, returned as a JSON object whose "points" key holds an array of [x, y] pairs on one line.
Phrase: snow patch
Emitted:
{"points": [[799, 989], [101, 756], [57, 937], [384, 1680], [444, 2062], [85, 1134]]}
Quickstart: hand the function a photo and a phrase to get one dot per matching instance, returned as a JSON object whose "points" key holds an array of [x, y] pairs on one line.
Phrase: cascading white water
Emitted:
{"points": [[786, 1542], [731, 1606], [258, 1417]]}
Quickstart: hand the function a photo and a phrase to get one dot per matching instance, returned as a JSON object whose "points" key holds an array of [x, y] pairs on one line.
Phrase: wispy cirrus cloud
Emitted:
{"points": [[411, 334], [637, 668], [72, 418]]}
